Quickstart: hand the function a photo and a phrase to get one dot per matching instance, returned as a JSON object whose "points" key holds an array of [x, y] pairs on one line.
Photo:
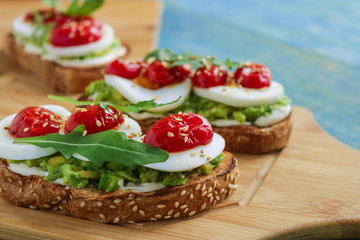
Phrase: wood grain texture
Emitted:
{"points": [[309, 190]]}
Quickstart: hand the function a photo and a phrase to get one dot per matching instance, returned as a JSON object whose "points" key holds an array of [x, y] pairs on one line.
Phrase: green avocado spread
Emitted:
{"points": [[81, 174], [101, 91]]}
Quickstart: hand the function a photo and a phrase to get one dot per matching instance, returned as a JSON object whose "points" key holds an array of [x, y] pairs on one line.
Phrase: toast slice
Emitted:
{"points": [[198, 194], [56, 77]]}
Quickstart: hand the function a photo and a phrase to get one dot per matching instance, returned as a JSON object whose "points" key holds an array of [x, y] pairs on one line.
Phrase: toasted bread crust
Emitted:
{"points": [[247, 138], [199, 193], [56, 77]]}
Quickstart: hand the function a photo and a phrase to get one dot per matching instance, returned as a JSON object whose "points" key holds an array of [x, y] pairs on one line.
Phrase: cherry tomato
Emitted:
{"points": [[207, 77], [180, 132], [253, 76], [34, 121], [95, 119], [158, 72], [70, 31], [124, 68], [48, 15]]}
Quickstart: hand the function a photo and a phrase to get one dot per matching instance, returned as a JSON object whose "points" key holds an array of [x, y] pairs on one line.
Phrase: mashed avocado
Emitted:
{"points": [[101, 91], [80, 174]]}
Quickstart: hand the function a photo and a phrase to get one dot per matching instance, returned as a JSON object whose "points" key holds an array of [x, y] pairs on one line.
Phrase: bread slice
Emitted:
{"points": [[247, 138], [56, 77], [199, 193]]}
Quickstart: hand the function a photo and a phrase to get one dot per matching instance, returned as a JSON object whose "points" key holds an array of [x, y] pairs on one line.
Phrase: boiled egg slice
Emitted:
{"points": [[105, 41], [9, 150], [193, 158], [136, 93], [238, 96]]}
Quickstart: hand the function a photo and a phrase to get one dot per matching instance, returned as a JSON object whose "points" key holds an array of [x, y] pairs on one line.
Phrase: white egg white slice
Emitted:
{"points": [[22, 28], [193, 158], [101, 60], [9, 150], [130, 127], [105, 41], [240, 96], [136, 93], [277, 115]]}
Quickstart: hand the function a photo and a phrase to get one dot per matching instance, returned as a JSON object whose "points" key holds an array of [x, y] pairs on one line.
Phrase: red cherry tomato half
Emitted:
{"points": [[180, 132], [124, 68], [48, 15], [95, 119], [253, 76], [213, 76], [75, 31], [34, 121], [158, 72]]}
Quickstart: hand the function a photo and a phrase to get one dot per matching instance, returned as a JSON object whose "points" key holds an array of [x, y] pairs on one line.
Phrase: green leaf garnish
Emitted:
{"points": [[42, 30], [51, 3], [84, 9], [110, 146], [161, 55], [137, 107]]}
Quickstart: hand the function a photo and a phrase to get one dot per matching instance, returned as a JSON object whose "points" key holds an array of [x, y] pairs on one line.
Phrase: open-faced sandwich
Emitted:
{"points": [[66, 49], [245, 106], [94, 164]]}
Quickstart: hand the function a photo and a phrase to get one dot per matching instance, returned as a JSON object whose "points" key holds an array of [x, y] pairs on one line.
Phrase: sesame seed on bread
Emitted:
{"points": [[201, 192], [56, 77]]}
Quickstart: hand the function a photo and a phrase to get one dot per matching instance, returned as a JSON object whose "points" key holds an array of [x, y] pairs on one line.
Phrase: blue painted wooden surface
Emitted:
{"points": [[312, 47]]}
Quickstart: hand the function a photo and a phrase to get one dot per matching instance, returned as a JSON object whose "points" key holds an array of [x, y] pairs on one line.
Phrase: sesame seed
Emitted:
{"points": [[227, 177], [9, 179], [192, 213], [142, 212], [131, 222], [58, 198], [26, 129], [186, 139], [232, 177], [84, 133], [185, 128], [82, 204], [208, 158], [99, 204], [215, 183], [101, 216], [177, 214], [117, 201], [176, 204], [32, 207], [211, 199], [45, 124], [215, 202], [183, 134], [158, 216], [203, 188], [222, 190], [167, 217], [209, 195], [63, 201], [131, 196], [39, 180], [154, 219], [55, 208], [191, 196], [170, 134], [192, 154], [20, 190], [52, 118], [216, 192], [135, 208], [179, 57], [183, 193], [21, 183], [83, 110], [185, 114], [128, 126], [210, 189], [61, 208], [183, 206], [116, 220], [35, 195], [203, 206], [160, 206], [170, 211], [54, 202], [178, 119], [46, 206], [131, 203], [180, 112], [217, 198], [197, 187], [98, 123], [226, 191], [202, 155], [71, 197], [187, 209], [112, 207]]}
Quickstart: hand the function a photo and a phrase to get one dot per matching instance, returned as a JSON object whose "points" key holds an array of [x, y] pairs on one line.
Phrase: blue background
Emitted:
{"points": [[311, 47]]}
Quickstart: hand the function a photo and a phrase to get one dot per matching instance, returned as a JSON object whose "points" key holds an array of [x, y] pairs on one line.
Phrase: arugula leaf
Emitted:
{"points": [[42, 31], [109, 146], [86, 9], [137, 107], [51, 3], [161, 55]]}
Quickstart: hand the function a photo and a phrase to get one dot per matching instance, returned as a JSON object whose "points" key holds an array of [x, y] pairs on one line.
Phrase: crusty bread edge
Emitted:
{"points": [[247, 138], [54, 76], [198, 194]]}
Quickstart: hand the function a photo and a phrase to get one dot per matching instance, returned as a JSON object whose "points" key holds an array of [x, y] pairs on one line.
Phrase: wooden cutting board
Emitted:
{"points": [[308, 190]]}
